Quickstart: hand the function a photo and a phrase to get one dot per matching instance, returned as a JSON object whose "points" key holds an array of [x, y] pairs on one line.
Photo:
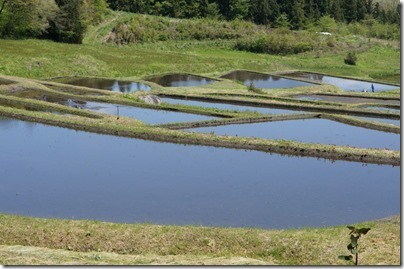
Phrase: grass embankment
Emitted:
{"points": [[128, 127], [27, 240], [31, 241], [41, 59]]}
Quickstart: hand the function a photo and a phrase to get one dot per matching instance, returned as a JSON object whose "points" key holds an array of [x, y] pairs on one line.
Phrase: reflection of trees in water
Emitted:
{"points": [[304, 75], [316, 77], [172, 80], [244, 76], [110, 84]]}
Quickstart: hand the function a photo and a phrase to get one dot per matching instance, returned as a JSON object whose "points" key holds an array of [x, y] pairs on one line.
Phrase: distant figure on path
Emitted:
{"points": [[373, 88]]}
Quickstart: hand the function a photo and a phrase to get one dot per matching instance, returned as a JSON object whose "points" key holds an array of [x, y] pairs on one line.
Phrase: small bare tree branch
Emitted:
{"points": [[2, 6]]}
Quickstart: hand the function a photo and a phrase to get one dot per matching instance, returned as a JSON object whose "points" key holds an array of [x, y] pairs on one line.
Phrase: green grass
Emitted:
{"points": [[42, 59], [27, 240]]}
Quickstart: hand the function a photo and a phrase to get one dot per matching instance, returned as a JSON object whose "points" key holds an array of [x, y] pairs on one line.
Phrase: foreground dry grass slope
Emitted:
{"points": [[27, 241]]}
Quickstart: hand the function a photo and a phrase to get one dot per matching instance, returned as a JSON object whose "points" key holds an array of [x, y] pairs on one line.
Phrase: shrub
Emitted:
{"points": [[351, 58]]}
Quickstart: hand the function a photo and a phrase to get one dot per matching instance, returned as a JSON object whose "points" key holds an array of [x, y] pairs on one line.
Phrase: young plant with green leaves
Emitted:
{"points": [[353, 247]]}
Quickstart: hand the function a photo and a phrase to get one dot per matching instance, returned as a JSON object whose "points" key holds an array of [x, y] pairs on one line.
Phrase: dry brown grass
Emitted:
{"points": [[92, 242]]}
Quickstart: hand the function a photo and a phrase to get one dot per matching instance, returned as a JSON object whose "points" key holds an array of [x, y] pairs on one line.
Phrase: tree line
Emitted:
{"points": [[68, 20], [298, 13], [59, 20]]}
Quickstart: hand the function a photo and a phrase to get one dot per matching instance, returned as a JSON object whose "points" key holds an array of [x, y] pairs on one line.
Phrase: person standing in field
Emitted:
{"points": [[373, 88]]}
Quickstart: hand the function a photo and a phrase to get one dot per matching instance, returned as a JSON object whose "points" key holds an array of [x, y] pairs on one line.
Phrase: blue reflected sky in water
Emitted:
{"points": [[390, 121], [263, 110], [381, 108], [311, 131], [265, 81], [106, 84], [343, 83], [149, 116], [60, 173], [181, 80]]}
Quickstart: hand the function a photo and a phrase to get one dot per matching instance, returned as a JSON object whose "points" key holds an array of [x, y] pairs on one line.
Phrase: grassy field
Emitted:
{"points": [[29, 241], [37, 241]]}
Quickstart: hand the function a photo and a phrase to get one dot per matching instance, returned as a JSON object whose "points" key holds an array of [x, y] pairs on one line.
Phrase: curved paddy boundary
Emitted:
{"points": [[292, 106], [269, 118], [286, 74], [211, 123], [111, 126], [78, 93]]}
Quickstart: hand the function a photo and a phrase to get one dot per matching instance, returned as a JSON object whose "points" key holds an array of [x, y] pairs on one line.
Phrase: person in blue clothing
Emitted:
{"points": [[373, 88]]}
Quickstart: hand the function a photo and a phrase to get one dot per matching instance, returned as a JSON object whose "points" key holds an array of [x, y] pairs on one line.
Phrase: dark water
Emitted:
{"points": [[344, 84], [311, 131], [265, 81], [60, 173], [180, 80], [106, 84], [149, 116], [263, 110], [390, 121]]}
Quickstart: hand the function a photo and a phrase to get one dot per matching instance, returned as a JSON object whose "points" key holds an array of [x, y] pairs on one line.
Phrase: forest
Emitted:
{"points": [[67, 20]]}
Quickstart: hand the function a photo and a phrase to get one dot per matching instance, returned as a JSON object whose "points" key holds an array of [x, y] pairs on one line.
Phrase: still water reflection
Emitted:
{"points": [[60, 173], [345, 84], [311, 131], [263, 110], [180, 80], [149, 116], [261, 80], [106, 84]]}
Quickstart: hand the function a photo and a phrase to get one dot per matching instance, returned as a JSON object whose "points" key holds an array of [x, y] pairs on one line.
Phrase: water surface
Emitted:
{"points": [[345, 99], [105, 84], [381, 108], [149, 116], [389, 121], [311, 131], [180, 80], [263, 110], [265, 81], [61, 173], [343, 83]]}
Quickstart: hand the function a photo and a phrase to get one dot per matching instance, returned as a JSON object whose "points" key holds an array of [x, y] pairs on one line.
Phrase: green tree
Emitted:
{"points": [[264, 11], [238, 9], [282, 21], [296, 15], [71, 23], [337, 12], [326, 24], [350, 9], [3, 4], [26, 18]]}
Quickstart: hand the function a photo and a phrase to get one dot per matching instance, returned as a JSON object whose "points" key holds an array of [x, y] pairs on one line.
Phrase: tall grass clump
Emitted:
{"points": [[151, 29], [282, 41]]}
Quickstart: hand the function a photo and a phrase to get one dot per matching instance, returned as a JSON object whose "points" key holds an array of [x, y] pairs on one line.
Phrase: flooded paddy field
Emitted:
{"points": [[343, 83], [311, 131], [381, 108], [149, 116], [345, 99], [265, 81], [389, 121], [180, 80], [262, 110], [60, 173], [105, 84]]}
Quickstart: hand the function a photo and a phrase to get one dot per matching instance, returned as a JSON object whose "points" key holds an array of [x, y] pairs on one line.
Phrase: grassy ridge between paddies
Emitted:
{"points": [[90, 242], [37, 241], [377, 59], [128, 127]]}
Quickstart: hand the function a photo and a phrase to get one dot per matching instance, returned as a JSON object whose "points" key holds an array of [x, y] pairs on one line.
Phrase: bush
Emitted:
{"points": [[351, 58]]}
